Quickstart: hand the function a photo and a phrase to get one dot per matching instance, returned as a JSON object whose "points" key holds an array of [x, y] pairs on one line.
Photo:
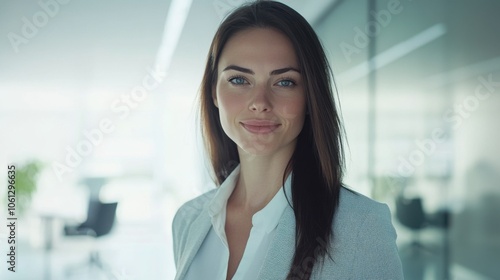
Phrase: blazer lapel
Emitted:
{"points": [[278, 259], [197, 233]]}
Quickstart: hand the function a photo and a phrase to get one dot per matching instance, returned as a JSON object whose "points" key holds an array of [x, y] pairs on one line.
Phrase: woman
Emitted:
{"points": [[273, 135]]}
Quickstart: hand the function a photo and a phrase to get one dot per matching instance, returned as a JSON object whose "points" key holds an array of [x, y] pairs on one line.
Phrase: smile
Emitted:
{"points": [[260, 127]]}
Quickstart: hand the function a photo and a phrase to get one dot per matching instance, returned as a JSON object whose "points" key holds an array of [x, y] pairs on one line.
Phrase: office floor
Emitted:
{"points": [[131, 252], [427, 260]]}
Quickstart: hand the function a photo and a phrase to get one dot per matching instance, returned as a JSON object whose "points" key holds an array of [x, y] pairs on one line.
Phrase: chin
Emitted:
{"points": [[257, 149]]}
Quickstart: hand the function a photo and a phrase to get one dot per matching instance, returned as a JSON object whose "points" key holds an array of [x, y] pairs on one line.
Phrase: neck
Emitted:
{"points": [[261, 177]]}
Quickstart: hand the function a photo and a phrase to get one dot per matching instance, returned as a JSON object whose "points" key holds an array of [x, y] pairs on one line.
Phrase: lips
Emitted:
{"points": [[260, 126]]}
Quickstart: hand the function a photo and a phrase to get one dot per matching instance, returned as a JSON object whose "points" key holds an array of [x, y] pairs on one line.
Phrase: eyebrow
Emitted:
{"points": [[248, 71]]}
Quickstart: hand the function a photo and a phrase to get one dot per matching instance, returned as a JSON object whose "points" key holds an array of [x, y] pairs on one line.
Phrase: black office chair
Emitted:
{"points": [[410, 213], [100, 220]]}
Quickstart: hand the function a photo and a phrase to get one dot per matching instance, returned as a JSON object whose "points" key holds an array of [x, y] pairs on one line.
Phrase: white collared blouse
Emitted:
{"points": [[211, 260]]}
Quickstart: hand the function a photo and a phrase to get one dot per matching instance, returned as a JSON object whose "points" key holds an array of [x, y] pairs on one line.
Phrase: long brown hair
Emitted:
{"points": [[317, 162]]}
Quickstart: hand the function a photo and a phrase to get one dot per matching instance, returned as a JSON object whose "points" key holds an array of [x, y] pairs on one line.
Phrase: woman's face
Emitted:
{"points": [[259, 92]]}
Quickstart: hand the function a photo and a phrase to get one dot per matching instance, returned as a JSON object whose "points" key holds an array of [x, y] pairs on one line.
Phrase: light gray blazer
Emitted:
{"points": [[364, 245]]}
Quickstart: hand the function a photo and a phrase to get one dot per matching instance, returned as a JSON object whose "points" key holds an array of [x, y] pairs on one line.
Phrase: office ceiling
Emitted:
{"points": [[90, 44]]}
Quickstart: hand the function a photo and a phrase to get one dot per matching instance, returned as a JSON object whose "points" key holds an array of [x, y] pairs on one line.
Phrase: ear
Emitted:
{"points": [[214, 97]]}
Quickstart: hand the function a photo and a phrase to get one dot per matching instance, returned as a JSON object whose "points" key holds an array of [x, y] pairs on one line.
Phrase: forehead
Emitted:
{"points": [[259, 46]]}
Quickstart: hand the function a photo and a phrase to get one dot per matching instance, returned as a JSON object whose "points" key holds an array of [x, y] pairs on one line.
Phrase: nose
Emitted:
{"points": [[260, 100]]}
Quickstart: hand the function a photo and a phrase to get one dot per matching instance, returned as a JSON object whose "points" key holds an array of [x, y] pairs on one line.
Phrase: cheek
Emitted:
{"points": [[294, 109], [228, 104]]}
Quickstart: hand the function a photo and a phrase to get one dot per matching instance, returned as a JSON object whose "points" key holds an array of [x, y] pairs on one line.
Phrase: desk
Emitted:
{"points": [[48, 220], [48, 231]]}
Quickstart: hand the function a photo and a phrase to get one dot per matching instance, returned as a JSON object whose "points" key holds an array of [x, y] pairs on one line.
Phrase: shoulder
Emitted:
{"points": [[357, 207], [358, 215], [192, 209], [364, 244], [185, 218]]}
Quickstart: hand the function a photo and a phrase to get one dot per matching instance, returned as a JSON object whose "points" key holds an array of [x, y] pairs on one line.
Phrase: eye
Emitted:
{"points": [[286, 83], [237, 80]]}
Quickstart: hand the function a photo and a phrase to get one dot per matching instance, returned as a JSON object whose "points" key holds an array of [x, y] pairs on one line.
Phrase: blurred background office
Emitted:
{"points": [[98, 115]]}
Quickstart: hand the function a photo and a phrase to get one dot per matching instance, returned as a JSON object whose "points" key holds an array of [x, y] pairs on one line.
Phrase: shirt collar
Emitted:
{"points": [[266, 219], [219, 201]]}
